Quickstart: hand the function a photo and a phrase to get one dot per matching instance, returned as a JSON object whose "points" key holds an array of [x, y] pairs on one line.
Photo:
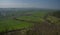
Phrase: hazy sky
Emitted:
{"points": [[51, 4]]}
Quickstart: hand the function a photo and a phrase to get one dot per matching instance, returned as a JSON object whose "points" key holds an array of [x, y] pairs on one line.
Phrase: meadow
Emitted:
{"points": [[29, 19], [11, 24]]}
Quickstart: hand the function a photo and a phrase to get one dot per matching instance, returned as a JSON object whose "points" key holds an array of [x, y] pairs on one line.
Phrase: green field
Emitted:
{"points": [[37, 16], [11, 24]]}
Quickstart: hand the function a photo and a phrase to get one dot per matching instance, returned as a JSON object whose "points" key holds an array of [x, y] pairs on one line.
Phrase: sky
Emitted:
{"points": [[50, 4]]}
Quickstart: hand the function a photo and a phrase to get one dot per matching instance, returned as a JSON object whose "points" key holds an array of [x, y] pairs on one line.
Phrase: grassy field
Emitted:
{"points": [[11, 24], [36, 23], [36, 16]]}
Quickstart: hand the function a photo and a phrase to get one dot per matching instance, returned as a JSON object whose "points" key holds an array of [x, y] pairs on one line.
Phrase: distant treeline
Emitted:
{"points": [[55, 14]]}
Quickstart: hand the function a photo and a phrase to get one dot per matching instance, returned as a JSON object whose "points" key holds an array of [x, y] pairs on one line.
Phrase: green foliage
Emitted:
{"points": [[56, 14]]}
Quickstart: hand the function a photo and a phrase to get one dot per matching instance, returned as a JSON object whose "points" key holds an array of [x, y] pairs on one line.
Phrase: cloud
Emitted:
{"points": [[29, 5], [19, 5], [15, 5]]}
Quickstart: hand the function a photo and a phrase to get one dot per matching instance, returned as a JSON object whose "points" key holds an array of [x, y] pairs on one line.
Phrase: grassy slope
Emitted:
{"points": [[36, 16], [11, 24]]}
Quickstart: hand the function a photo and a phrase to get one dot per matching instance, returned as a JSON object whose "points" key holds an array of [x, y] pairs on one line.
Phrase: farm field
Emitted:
{"points": [[29, 21], [12, 24]]}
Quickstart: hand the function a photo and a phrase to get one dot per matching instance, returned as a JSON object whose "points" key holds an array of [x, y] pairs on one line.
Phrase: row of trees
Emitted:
{"points": [[55, 14]]}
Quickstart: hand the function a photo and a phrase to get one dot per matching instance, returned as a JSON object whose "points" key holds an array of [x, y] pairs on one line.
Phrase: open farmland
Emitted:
{"points": [[12, 24], [28, 22]]}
